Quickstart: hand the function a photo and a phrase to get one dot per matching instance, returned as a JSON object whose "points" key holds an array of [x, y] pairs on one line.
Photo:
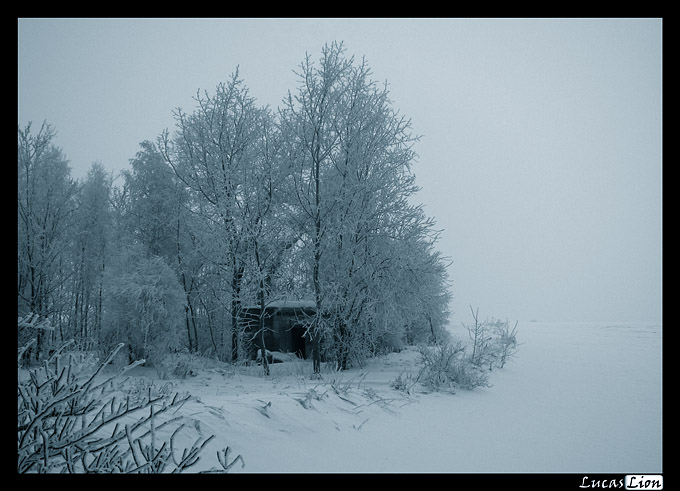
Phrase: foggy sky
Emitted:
{"points": [[541, 141]]}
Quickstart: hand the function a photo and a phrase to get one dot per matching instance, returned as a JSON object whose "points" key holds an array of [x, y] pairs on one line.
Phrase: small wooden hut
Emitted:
{"points": [[285, 327]]}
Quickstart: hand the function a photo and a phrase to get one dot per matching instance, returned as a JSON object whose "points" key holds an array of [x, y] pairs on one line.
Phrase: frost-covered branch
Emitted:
{"points": [[69, 421]]}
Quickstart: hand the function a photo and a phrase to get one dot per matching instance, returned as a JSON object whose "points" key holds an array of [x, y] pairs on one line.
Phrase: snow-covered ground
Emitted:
{"points": [[577, 398]]}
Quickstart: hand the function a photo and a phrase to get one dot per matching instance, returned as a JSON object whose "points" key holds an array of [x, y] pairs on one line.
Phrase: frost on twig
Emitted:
{"points": [[493, 342]]}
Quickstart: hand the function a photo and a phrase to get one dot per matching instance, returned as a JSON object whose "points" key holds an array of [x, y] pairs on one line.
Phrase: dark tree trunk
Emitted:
{"points": [[235, 308]]}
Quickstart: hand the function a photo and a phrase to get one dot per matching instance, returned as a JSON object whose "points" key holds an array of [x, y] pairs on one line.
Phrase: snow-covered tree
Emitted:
{"points": [[245, 206], [350, 155], [157, 215], [89, 256], [143, 305], [209, 152], [311, 120], [265, 224], [45, 206], [151, 210]]}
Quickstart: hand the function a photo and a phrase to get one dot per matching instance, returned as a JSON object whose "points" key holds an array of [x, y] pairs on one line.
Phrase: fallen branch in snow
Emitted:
{"points": [[223, 459], [309, 395], [375, 399], [341, 395], [359, 427], [263, 409]]}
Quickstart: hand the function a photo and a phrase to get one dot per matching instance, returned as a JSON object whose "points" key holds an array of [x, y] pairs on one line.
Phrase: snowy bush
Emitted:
{"points": [[450, 366], [505, 341], [445, 367], [183, 370], [482, 353], [404, 382], [493, 342], [70, 421]]}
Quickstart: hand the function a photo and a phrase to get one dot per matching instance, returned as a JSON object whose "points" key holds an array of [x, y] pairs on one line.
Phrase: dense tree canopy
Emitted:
{"points": [[239, 206]]}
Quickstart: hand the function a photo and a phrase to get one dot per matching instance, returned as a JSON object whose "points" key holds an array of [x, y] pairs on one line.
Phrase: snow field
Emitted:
{"points": [[577, 398]]}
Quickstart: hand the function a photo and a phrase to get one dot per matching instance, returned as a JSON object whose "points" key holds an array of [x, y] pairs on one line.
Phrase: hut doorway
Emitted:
{"points": [[298, 341]]}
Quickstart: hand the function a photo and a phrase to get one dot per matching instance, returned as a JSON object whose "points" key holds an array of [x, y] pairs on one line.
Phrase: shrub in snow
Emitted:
{"points": [[183, 370], [404, 382], [493, 342], [70, 421], [445, 367], [505, 342], [481, 341]]}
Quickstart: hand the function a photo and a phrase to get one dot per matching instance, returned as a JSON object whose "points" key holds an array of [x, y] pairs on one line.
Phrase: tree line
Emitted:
{"points": [[239, 205]]}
